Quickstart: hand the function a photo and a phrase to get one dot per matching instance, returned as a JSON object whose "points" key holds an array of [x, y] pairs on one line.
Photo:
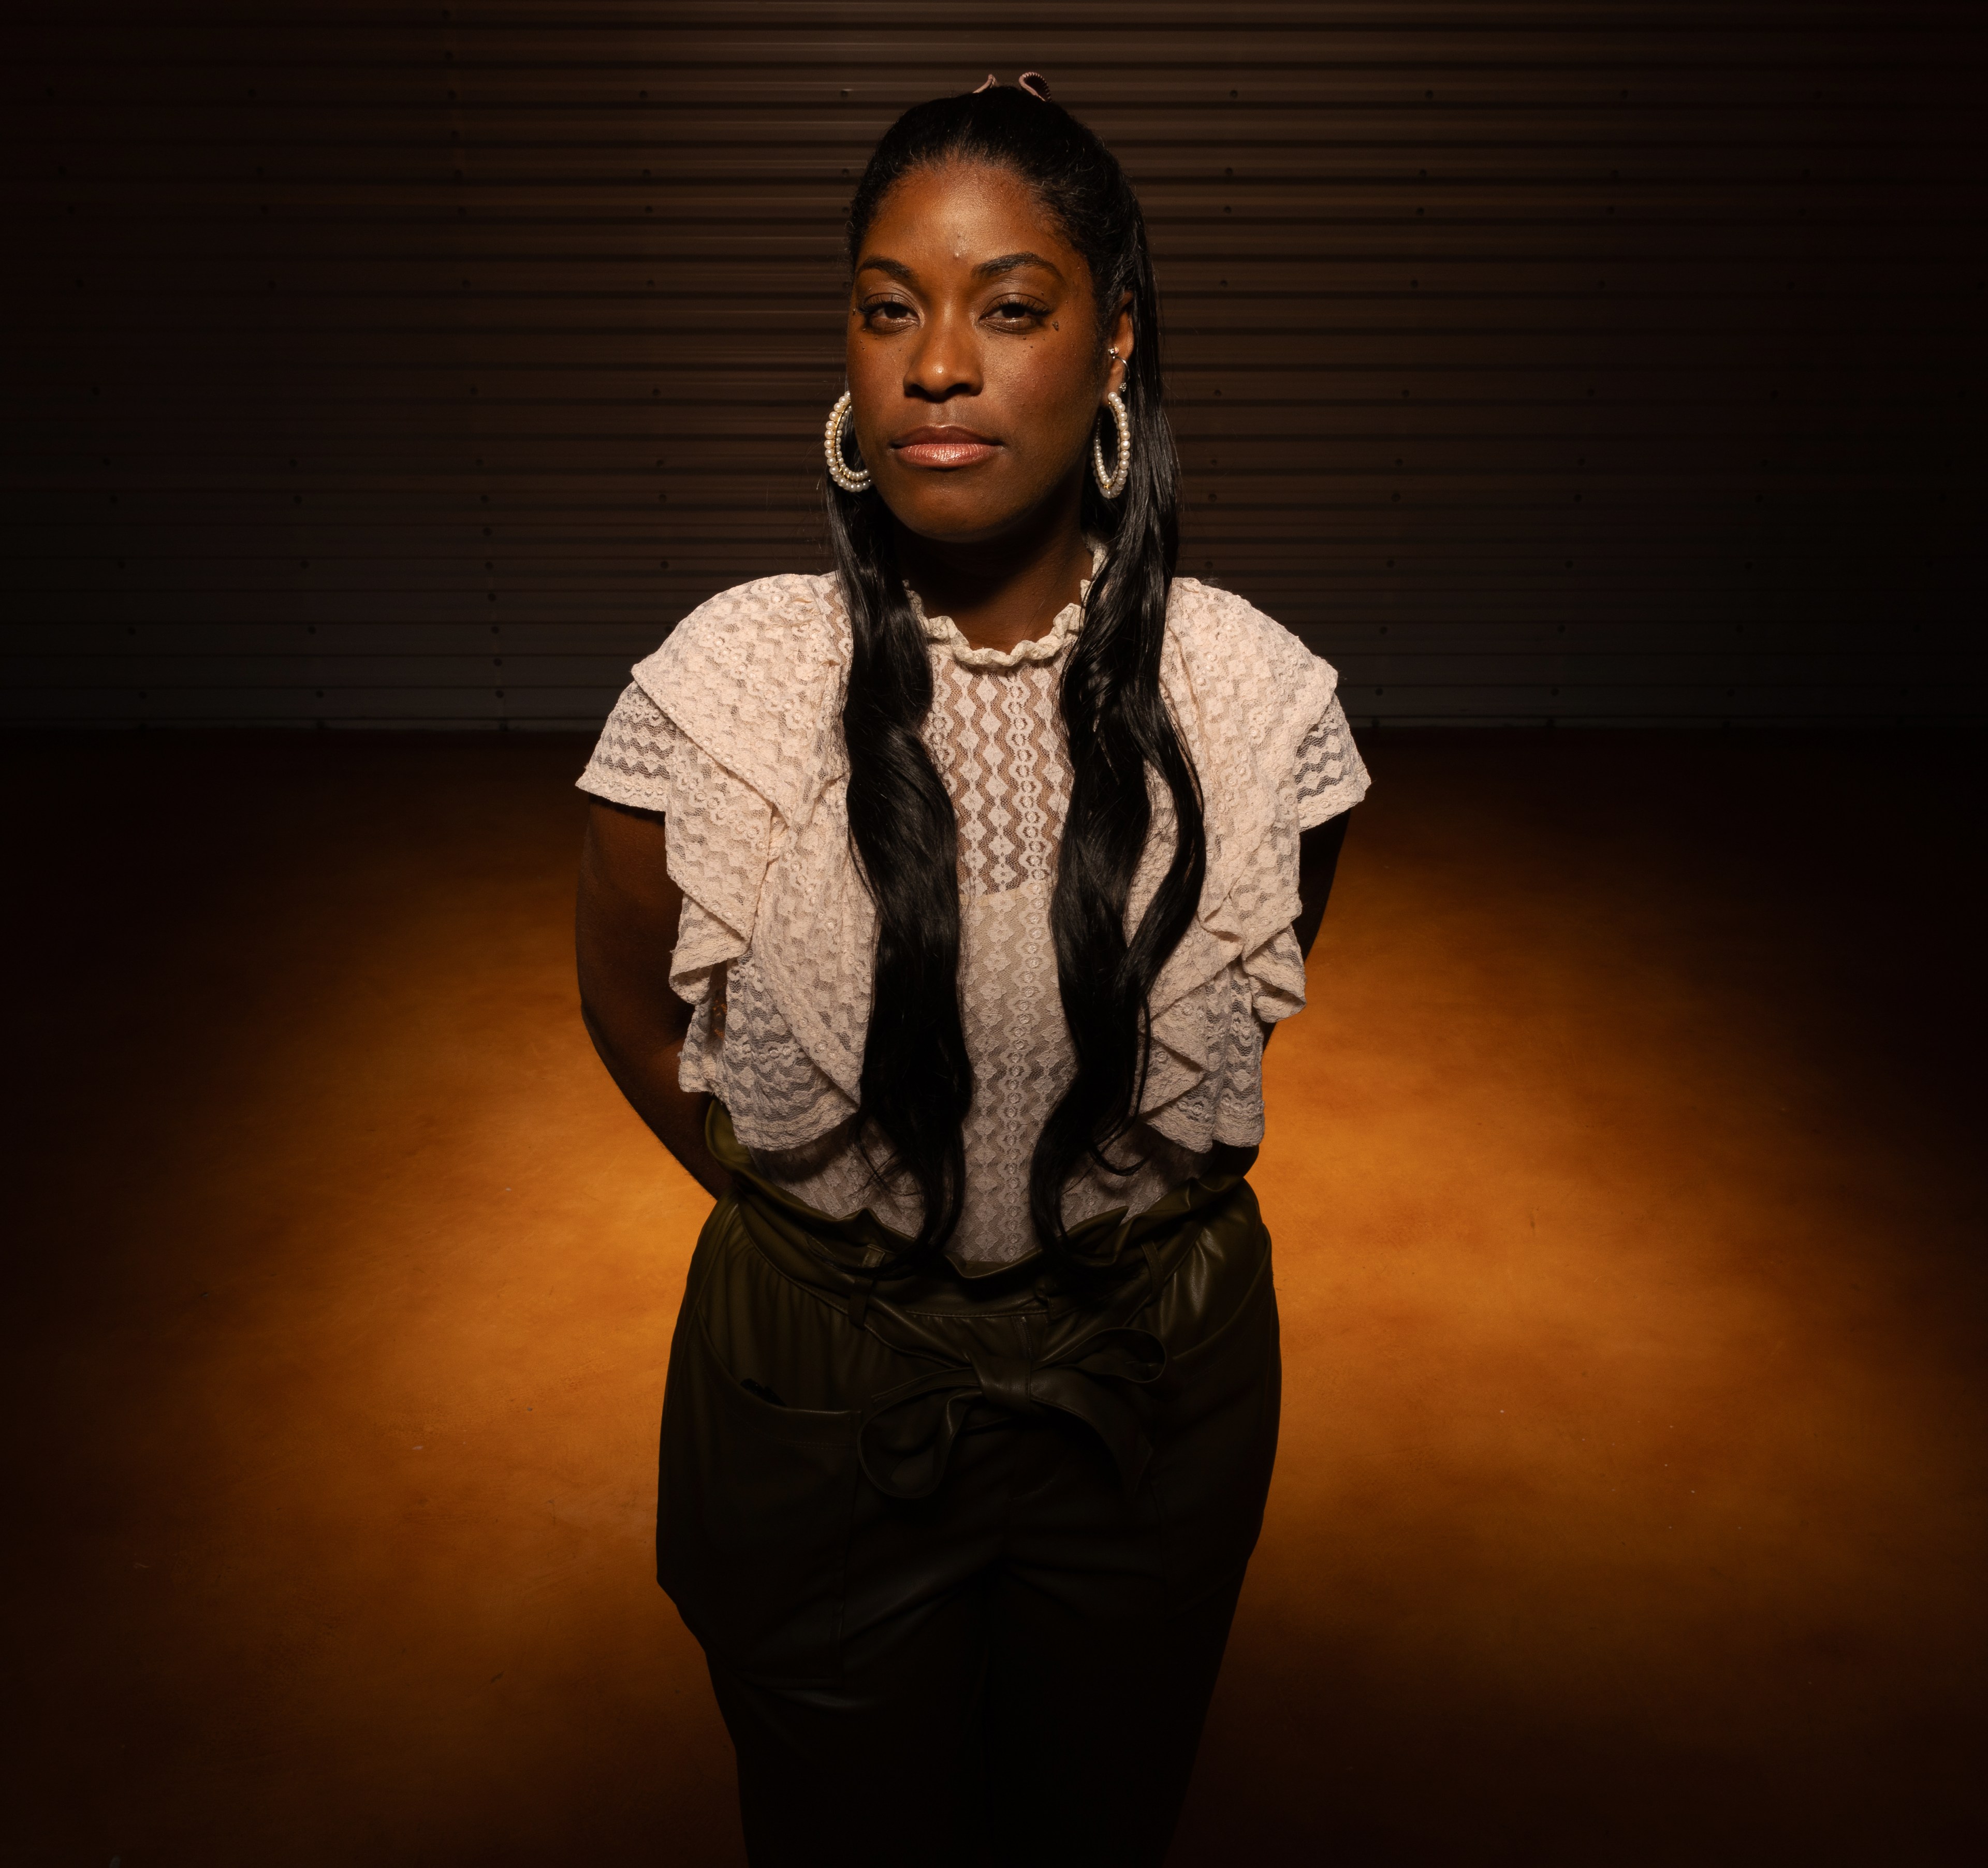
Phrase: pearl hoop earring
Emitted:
{"points": [[1112, 484], [850, 479]]}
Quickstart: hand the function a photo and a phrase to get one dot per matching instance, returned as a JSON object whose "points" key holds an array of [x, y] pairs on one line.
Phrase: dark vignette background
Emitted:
{"points": [[374, 366], [409, 365]]}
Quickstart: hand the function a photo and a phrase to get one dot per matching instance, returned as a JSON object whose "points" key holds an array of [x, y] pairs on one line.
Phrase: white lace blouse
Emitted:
{"points": [[732, 730]]}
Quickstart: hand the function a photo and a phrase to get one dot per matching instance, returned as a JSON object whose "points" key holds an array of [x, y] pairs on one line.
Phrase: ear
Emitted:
{"points": [[1119, 335]]}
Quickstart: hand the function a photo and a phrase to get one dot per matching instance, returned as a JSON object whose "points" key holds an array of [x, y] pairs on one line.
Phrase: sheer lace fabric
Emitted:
{"points": [[732, 730]]}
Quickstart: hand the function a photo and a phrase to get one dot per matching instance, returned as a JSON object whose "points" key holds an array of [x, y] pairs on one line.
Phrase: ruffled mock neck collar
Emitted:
{"points": [[1046, 648]]}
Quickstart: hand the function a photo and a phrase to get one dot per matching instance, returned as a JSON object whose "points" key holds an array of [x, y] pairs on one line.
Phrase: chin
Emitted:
{"points": [[965, 506], [961, 515]]}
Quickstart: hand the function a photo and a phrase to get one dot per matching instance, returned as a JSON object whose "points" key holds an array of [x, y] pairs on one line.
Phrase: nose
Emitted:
{"points": [[946, 361]]}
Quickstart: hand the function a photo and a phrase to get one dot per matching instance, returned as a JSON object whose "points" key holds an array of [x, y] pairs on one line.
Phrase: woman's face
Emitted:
{"points": [[975, 360]]}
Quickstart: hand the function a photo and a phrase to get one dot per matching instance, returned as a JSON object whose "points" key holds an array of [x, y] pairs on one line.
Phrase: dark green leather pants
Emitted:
{"points": [[962, 1552]]}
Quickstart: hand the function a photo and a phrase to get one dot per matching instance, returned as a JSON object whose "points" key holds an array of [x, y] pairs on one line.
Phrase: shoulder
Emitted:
{"points": [[1234, 658], [753, 675], [773, 627]]}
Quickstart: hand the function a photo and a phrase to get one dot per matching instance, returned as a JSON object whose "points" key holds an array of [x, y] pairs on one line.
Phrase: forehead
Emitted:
{"points": [[965, 212]]}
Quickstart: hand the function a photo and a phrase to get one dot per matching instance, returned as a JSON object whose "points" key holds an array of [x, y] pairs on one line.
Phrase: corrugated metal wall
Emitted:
{"points": [[419, 365]]}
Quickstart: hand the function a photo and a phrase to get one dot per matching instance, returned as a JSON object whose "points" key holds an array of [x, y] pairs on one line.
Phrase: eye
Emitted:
{"points": [[1015, 311], [887, 313]]}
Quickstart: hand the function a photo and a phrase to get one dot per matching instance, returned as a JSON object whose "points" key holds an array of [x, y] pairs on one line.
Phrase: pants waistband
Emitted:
{"points": [[1045, 1347]]}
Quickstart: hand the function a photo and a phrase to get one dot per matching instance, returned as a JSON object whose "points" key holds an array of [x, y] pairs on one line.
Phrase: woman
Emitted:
{"points": [[980, 860]]}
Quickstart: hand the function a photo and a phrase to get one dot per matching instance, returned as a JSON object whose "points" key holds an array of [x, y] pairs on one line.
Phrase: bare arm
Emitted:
{"points": [[1318, 858], [624, 927]]}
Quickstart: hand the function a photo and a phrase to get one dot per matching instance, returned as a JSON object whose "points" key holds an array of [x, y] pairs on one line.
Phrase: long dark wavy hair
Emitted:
{"points": [[916, 1081]]}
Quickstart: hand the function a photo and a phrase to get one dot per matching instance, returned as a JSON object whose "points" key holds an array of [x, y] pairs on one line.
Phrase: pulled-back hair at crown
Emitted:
{"points": [[917, 1080]]}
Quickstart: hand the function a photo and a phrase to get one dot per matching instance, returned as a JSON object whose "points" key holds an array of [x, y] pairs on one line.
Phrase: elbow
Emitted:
{"points": [[634, 1048], [598, 1032]]}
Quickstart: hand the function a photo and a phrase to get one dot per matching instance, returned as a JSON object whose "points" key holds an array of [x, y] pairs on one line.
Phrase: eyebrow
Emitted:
{"points": [[987, 268], [1013, 262]]}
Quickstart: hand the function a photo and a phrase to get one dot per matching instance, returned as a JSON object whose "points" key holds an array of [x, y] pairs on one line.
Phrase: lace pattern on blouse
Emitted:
{"points": [[774, 950]]}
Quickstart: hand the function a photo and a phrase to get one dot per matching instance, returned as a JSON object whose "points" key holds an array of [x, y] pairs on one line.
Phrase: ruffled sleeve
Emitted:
{"points": [[754, 677], [1261, 718], [720, 835], [728, 730], [1331, 775], [630, 761]]}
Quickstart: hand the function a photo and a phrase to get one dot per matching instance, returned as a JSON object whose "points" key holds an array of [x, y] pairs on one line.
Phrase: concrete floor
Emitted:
{"points": [[1627, 1185]]}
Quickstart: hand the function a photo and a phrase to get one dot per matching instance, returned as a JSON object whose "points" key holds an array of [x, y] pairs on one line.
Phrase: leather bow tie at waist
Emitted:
{"points": [[1028, 1350], [904, 1437]]}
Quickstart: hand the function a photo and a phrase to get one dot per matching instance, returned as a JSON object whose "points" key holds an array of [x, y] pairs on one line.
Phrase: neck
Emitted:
{"points": [[1005, 590]]}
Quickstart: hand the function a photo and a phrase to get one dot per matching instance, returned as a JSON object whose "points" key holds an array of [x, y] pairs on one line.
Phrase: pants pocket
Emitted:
{"points": [[754, 1506]]}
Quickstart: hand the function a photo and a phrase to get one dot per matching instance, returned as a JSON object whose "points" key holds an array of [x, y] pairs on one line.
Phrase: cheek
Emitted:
{"points": [[861, 360], [859, 366], [1052, 396], [874, 381]]}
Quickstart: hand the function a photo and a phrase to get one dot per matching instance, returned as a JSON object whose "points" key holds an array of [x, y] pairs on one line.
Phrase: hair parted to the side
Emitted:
{"points": [[918, 1081]]}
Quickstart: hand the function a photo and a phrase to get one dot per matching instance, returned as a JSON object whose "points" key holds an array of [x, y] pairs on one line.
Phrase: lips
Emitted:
{"points": [[949, 447]]}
